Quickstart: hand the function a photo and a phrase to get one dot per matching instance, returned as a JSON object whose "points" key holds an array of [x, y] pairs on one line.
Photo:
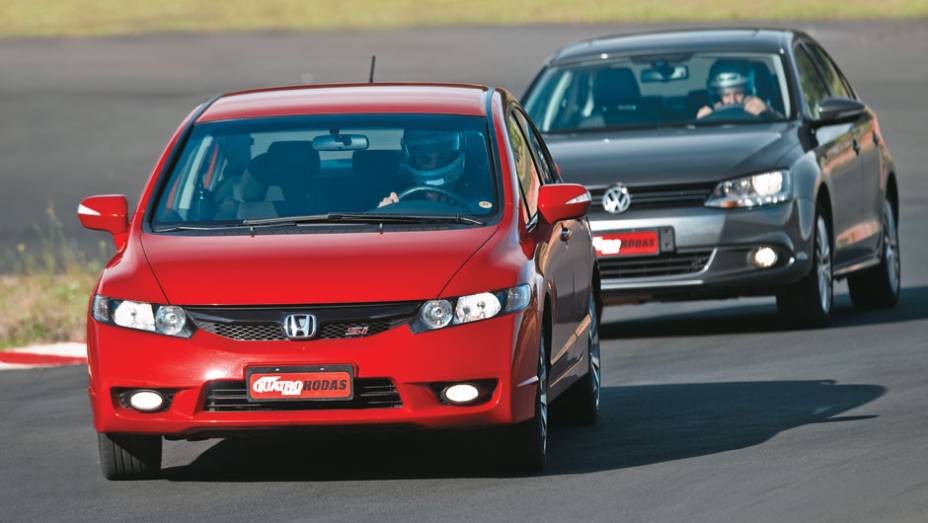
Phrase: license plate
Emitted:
{"points": [[317, 383], [627, 243]]}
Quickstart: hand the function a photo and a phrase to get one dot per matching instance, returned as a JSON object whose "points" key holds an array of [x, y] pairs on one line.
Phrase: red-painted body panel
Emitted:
{"points": [[335, 268], [310, 268], [481, 350], [356, 99]]}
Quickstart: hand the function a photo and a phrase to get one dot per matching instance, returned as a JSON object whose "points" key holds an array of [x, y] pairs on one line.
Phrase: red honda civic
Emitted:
{"points": [[344, 255]]}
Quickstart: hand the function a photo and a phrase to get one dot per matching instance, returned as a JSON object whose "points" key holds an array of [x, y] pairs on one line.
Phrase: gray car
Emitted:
{"points": [[724, 163]]}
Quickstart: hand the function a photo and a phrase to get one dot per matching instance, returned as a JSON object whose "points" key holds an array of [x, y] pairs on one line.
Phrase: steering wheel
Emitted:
{"points": [[734, 112], [452, 198]]}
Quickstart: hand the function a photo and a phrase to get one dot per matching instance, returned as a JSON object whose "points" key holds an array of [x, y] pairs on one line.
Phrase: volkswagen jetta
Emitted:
{"points": [[725, 163]]}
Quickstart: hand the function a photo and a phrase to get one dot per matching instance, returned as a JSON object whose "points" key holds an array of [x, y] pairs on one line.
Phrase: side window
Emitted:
{"points": [[534, 142], [525, 167], [832, 76], [813, 88]]}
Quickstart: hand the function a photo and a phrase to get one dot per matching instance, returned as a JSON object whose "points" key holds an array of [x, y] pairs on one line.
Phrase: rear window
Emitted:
{"points": [[307, 165]]}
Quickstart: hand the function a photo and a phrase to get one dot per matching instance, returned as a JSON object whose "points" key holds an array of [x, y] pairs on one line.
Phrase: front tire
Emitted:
{"points": [[880, 286], [527, 442], [807, 303], [129, 456], [580, 404]]}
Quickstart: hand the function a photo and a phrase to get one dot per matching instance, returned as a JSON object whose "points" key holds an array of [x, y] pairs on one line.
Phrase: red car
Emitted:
{"points": [[344, 255]]}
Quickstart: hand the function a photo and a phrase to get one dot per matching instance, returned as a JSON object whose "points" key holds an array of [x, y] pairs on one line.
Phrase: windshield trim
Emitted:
{"points": [[170, 163]]}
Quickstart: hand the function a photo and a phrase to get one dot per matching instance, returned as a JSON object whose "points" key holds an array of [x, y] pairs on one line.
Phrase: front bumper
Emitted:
{"points": [[723, 240], [497, 350]]}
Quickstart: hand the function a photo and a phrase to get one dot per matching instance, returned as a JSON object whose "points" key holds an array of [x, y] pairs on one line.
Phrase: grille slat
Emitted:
{"points": [[333, 321], [669, 264], [659, 197], [230, 396], [274, 331]]}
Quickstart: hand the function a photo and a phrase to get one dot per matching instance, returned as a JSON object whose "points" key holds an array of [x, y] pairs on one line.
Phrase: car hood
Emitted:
{"points": [[309, 268], [670, 156]]}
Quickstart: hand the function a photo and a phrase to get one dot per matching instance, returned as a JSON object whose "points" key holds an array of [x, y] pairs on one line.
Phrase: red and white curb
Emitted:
{"points": [[53, 355]]}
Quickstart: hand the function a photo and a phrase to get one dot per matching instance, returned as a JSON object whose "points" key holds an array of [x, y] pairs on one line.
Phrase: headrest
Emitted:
{"points": [[247, 189], [295, 152], [286, 162], [616, 86]]}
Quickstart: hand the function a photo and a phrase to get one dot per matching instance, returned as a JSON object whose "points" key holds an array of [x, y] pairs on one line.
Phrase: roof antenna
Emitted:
{"points": [[373, 63]]}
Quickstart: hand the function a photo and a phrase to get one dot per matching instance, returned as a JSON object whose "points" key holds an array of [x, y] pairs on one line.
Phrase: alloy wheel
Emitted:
{"points": [[891, 248], [594, 353], [823, 265], [543, 400]]}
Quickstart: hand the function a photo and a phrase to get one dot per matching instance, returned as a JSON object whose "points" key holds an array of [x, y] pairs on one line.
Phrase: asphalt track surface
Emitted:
{"points": [[712, 411]]}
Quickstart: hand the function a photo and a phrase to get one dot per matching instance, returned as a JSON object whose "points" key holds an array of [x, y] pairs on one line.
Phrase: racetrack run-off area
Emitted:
{"points": [[712, 411]]}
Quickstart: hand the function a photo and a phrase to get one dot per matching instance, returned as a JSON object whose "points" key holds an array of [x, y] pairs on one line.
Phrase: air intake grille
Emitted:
{"points": [[274, 331], [244, 331], [663, 265], [266, 323], [369, 393], [351, 330], [658, 197]]}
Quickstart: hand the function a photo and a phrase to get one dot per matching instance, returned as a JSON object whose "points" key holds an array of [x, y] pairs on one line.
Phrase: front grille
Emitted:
{"points": [[668, 264], [369, 393], [244, 331], [659, 196], [351, 330], [274, 331], [333, 321]]}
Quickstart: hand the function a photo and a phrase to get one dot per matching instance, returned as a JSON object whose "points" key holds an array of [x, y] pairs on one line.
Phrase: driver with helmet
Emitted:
{"points": [[435, 160], [731, 84]]}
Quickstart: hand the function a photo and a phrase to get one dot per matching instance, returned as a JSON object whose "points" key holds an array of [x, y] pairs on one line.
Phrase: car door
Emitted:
{"points": [[835, 154], [552, 253], [870, 200], [575, 236]]}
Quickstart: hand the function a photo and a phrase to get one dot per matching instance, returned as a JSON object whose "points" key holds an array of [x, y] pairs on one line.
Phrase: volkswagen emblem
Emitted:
{"points": [[300, 326], [616, 200]]}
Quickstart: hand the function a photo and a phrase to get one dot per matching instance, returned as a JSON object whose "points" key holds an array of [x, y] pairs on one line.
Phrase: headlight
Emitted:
{"points": [[751, 191], [436, 314], [162, 319]]}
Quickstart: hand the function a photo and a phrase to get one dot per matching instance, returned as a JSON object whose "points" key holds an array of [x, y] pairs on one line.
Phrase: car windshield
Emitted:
{"points": [[660, 90], [236, 172]]}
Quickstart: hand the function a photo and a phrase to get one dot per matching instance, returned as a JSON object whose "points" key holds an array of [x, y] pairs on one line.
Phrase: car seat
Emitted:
{"points": [[617, 99]]}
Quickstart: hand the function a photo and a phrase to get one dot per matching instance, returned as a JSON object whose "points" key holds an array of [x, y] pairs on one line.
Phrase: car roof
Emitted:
{"points": [[715, 39], [461, 99]]}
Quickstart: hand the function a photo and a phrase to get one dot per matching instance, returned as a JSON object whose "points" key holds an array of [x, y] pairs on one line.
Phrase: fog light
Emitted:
{"points": [[764, 257], [460, 393], [146, 400]]}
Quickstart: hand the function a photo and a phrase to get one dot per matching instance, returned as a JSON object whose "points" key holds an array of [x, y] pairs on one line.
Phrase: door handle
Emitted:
{"points": [[566, 233], [856, 146]]}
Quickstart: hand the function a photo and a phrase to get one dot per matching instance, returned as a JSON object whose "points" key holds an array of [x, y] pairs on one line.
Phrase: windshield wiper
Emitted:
{"points": [[363, 217], [173, 228]]}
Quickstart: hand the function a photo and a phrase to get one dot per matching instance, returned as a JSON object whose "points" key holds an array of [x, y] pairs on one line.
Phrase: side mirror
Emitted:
{"points": [[106, 213], [563, 201], [837, 109]]}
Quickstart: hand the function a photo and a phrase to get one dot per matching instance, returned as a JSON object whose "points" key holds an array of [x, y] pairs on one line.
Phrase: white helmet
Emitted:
{"points": [[730, 74], [434, 158]]}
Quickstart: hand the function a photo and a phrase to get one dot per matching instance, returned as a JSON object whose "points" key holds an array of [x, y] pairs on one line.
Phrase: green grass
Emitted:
{"points": [[113, 17], [44, 298]]}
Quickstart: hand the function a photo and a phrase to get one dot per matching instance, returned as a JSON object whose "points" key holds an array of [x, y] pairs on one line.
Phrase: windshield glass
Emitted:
{"points": [[660, 90], [257, 169]]}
